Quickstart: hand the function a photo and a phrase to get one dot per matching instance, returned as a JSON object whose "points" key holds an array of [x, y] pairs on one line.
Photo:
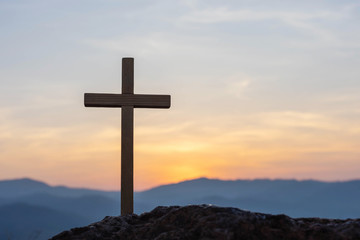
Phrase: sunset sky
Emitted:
{"points": [[260, 89]]}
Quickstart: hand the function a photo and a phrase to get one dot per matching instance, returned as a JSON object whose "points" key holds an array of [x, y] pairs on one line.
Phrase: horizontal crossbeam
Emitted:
{"points": [[119, 100]]}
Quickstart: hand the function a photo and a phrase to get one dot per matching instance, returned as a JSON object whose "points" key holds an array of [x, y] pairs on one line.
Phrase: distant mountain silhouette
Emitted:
{"points": [[93, 207], [51, 207], [26, 186], [295, 198], [23, 221], [49, 210], [21, 187]]}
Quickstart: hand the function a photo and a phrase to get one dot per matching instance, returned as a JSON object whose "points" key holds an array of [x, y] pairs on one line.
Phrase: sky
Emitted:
{"points": [[260, 89]]}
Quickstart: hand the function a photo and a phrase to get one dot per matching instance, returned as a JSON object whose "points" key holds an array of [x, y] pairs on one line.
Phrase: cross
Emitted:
{"points": [[127, 101]]}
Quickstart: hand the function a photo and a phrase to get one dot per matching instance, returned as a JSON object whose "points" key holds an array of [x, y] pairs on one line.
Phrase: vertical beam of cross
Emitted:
{"points": [[127, 140], [127, 101]]}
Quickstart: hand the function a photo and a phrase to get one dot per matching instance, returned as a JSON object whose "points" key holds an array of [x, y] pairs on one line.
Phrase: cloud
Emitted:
{"points": [[280, 56], [223, 14], [237, 85], [147, 44], [305, 22], [298, 119]]}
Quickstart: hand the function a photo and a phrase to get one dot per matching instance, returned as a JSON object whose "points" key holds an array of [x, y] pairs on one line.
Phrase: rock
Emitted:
{"points": [[211, 222]]}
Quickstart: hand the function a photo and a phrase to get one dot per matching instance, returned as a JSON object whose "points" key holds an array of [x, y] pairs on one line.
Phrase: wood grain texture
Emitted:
{"points": [[120, 100], [127, 160], [128, 75], [127, 135], [127, 101]]}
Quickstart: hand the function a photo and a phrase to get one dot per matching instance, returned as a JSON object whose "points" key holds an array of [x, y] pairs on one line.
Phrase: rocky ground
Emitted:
{"points": [[210, 222]]}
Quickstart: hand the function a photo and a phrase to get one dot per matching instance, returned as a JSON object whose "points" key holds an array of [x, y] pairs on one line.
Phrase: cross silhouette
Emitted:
{"points": [[127, 101]]}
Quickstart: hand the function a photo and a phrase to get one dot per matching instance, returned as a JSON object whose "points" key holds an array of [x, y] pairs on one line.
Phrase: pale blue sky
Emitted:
{"points": [[278, 80]]}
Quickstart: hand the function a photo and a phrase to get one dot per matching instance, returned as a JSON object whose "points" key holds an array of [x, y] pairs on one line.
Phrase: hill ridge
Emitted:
{"points": [[212, 222]]}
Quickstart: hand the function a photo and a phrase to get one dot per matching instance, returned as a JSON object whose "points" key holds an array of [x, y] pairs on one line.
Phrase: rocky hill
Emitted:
{"points": [[211, 222]]}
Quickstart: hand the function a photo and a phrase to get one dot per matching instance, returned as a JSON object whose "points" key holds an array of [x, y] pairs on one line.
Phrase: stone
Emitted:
{"points": [[211, 222]]}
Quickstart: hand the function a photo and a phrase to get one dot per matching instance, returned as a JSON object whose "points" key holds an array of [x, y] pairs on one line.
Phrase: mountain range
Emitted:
{"points": [[31, 209]]}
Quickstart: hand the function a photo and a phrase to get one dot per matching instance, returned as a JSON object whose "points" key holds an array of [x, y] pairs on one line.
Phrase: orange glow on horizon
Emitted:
{"points": [[166, 154]]}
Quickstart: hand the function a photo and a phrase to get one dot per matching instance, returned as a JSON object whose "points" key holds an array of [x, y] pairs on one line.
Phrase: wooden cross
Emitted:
{"points": [[127, 101]]}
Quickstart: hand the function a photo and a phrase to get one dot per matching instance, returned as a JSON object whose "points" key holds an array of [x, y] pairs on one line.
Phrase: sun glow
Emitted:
{"points": [[239, 108]]}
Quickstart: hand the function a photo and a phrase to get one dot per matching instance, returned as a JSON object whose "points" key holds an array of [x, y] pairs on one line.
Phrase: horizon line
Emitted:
{"points": [[185, 180]]}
